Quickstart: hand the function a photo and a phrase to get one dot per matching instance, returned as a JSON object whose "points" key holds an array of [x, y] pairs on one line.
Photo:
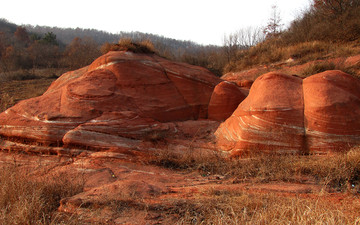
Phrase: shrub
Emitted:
{"points": [[128, 45]]}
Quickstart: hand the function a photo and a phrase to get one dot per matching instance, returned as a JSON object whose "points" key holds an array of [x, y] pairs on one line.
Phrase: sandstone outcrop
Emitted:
{"points": [[225, 99], [118, 99], [332, 111], [287, 114]]}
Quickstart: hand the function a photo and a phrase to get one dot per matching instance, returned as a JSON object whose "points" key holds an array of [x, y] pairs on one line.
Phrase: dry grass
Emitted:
{"points": [[239, 207], [127, 44], [340, 172], [243, 208], [6, 101], [24, 200], [24, 84], [32, 74], [273, 51], [11, 92], [318, 67]]}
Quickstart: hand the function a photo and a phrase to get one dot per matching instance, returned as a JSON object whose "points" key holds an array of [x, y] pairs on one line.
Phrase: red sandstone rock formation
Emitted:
{"points": [[225, 99], [117, 100], [332, 111], [287, 114]]}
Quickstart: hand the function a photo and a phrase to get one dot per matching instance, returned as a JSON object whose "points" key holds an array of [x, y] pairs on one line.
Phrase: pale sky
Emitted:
{"points": [[201, 21]]}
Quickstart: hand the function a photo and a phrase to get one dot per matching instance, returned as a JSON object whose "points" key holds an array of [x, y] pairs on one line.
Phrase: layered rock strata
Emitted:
{"points": [[118, 99], [287, 114], [225, 99]]}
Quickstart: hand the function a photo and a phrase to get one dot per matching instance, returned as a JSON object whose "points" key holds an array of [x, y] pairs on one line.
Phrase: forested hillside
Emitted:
{"points": [[33, 47], [163, 44], [327, 29]]}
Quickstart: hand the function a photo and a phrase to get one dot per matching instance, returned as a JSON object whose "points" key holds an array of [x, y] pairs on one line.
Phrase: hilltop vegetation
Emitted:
{"points": [[328, 29]]}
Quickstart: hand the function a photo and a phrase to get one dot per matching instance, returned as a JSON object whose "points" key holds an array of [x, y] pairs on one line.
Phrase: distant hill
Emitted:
{"points": [[209, 56], [7, 27], [179, 50], [66, 35]]}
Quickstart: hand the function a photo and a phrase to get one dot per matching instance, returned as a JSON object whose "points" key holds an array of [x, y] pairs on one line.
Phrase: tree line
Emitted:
{"points": [[33, 47], [23, 50]]}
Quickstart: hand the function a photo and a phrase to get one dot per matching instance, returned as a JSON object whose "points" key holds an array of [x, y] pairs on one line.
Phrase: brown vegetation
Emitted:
{"points": [[17, 85], [24, 200], [128, 45], [24, 50], [236, 207], [328, 29], [273, 51], [339, 172]]}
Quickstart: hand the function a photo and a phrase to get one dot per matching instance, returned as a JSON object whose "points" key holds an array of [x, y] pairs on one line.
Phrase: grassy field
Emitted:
{"points": [[20, 85], [25, 200]]}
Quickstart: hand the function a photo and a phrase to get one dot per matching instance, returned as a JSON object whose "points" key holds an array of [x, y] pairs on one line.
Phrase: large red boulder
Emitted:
{"points": [[225, 99], [287, 114], [332, 111], [120, 95]]}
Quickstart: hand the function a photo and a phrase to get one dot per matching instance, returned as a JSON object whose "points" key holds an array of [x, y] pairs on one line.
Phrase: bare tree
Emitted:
{"points": [[241, 39], [250, 36], [80, 52], [231, 46], [335, 7], [274, 25]]}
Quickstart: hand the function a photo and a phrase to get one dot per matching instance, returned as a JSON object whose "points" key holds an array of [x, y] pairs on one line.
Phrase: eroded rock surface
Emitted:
{"points": [[285, 113], [225, 99], [332, 111], [118, 99]]}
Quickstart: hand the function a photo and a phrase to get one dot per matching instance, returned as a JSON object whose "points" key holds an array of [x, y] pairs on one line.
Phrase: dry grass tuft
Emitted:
{"points": [[126, 44], [319, 67], [6, 101]]}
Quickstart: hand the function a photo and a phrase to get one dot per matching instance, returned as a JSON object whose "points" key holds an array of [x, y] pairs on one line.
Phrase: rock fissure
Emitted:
{"points": [[167, 76], [305, 144]]}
